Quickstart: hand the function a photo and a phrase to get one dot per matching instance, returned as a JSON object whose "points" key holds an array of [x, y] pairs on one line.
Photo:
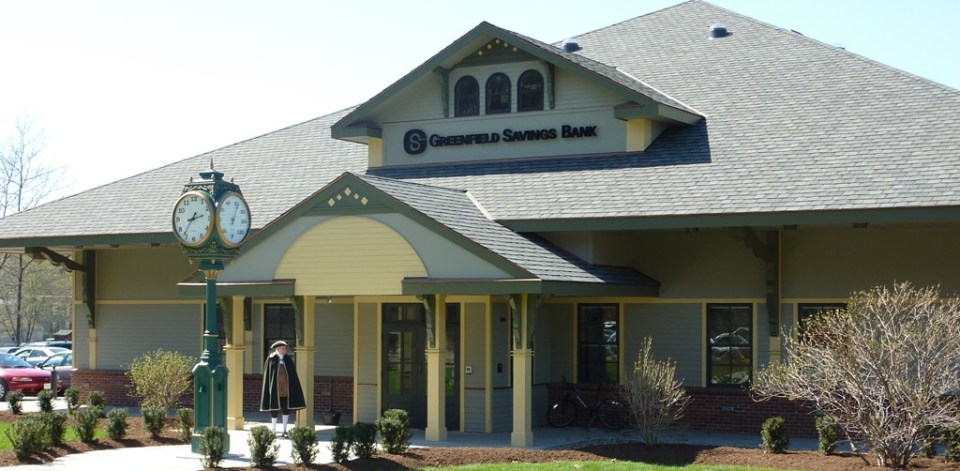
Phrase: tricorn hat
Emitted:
{"points": [[279, 343]]}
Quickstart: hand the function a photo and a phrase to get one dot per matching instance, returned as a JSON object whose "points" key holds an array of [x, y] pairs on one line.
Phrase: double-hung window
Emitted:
{"points": [[598, 327], [729, 344]]}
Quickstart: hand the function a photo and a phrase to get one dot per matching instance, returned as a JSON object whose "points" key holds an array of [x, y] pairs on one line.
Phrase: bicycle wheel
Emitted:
{"points": [[612, 414], [562, 413]]}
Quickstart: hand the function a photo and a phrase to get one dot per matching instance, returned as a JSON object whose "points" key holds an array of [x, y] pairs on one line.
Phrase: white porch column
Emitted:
{"points": [[436, 372], [522, 435], [235, 352]]}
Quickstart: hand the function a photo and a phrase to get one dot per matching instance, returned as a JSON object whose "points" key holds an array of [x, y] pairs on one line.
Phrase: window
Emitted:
{"points": [[498, 94], [279, 323], [729, 344], [598, 343], [466, 97], [806, 311], [530, 91]]}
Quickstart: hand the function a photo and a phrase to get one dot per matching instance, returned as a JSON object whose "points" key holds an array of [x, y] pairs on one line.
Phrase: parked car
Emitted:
{"points": [[34, 355], [52, 343], [17, 374], [9, 349], [63, 364]]}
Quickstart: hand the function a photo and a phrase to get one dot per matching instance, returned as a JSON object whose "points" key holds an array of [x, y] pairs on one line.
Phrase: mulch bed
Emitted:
{"points": [[675, 455]]}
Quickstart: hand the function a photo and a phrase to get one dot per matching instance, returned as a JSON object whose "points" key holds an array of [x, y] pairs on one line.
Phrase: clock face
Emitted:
{"points": [[233, 218], [193, 218]]}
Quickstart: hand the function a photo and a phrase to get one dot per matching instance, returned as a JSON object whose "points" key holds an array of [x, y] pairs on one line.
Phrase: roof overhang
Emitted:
{"points": [[195, 286], [422, 286]]}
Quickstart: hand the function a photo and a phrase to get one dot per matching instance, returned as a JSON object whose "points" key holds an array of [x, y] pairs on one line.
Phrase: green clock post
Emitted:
{"points": [[210, 220]]}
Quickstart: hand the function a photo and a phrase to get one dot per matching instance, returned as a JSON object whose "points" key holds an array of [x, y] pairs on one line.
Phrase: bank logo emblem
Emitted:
{"points": [[415, 142]]}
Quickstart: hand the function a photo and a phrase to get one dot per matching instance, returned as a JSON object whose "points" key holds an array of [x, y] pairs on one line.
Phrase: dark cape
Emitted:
{"points": [[269, 399]]}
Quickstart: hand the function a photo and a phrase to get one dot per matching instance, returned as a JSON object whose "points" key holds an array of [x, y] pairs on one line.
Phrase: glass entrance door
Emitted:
{"points": [[404, 362]]}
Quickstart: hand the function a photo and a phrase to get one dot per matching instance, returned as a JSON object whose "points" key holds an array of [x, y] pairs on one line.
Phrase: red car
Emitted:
{"points": [[17, 374]]}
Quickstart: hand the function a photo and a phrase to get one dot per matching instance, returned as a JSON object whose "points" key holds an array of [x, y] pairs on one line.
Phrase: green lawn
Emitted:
{"points": [[599, 465], [70, 436]]}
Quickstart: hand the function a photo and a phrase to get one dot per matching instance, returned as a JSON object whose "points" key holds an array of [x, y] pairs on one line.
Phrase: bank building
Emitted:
{"points": [[513, 212]]}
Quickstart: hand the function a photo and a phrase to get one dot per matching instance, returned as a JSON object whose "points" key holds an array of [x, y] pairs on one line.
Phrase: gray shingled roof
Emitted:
{"points": [[792, 125], [455, 210]]}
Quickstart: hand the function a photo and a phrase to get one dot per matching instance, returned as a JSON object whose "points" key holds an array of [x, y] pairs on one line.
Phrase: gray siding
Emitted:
{"points": [[677, 334], [81, 338], [367, 373], [540, 405], [501, 346], [553, 357], [125, 332], [502, 410], [474, 347], [334, 339], [763, 337]]}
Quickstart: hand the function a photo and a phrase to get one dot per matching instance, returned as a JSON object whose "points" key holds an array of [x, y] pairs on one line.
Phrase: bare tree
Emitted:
{"points": [[886, 368], [654, 397], [24, 182]]}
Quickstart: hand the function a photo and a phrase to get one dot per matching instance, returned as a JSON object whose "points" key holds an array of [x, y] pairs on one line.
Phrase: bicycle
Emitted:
{"points": [[611, 413]]}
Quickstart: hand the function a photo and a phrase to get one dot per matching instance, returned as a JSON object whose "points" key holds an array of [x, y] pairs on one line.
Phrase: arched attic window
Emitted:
{"points": [[530, 91], [498, 94], [466, 97]]}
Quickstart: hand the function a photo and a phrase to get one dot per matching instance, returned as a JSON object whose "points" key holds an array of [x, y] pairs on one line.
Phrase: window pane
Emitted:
{"points": [[498, 94], [466, 97], [598, 334], [530, 91], [730, 336]]}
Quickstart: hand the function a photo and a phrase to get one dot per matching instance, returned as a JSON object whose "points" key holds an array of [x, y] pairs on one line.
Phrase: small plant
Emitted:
{"points": [[45, 399], [117, 424], [97, 400], [652, 394], [364, 439], [341, 444], [828, 434], [264, 448], [85, 423], [185, 422], [303, 441], [212, 446], [773, 436], [160, 378], [73, 398], [15, 399], [27, 436], [394, 428], [55, 425], [154, 418]]}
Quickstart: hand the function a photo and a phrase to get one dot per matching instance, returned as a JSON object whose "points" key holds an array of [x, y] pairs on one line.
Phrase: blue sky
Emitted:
{"points": [[122, 87]]}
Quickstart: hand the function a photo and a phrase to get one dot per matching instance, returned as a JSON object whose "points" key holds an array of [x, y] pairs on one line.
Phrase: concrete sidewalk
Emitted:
{"points": [[180, 457]]}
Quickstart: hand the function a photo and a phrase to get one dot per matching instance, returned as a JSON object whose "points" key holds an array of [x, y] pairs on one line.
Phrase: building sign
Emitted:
{"points": [[416, 141]]}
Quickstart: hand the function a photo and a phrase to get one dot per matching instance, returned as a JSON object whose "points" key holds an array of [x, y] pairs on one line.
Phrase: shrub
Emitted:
{"points": [[212, 446], [15, 399], [394, 428], [303, 440], [951, 441], [828, 434], [341, 444], [154, 418], [881, 368], [773, 436], [928, 442], [117, 424], [55, 425], [73, 398], [364, 439], [160, 378], [97, 400], [45, 399], [85, 423], [185, 422], [27, 436], [652, 393], [264, 448]]}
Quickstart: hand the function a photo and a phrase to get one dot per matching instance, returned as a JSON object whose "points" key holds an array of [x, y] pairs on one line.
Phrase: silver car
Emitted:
{"points": [[62, 363]]}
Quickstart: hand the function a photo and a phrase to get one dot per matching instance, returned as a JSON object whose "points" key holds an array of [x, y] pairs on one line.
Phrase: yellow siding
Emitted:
{"points": [[349, 256], [137, 274], [641, 133]]}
